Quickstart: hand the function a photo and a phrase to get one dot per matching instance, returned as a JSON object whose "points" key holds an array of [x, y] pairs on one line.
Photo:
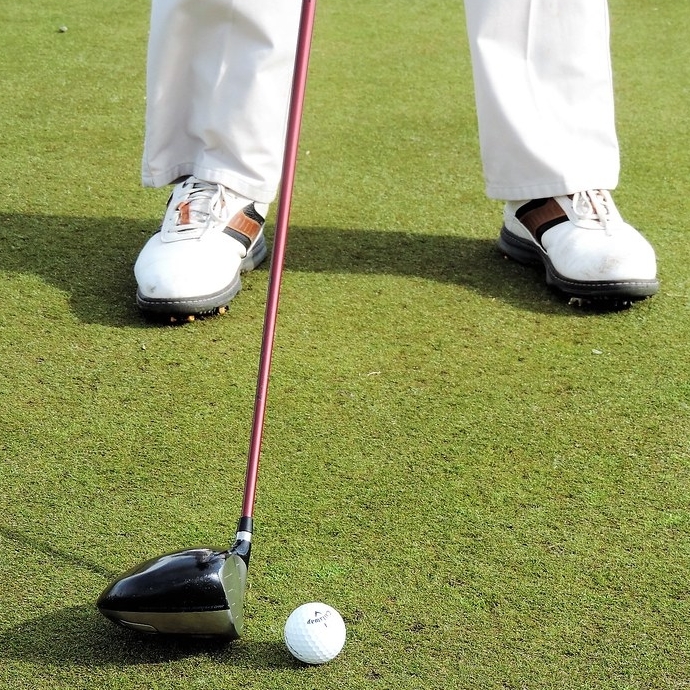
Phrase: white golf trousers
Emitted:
{"points": [[219, 76]]}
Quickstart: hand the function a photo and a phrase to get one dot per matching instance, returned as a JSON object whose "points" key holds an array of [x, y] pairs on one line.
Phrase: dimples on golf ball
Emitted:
{"points": [[314, 633]]}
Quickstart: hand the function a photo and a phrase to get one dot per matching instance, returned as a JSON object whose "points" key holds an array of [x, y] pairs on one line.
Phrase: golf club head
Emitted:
{"points": [[193, 592]]}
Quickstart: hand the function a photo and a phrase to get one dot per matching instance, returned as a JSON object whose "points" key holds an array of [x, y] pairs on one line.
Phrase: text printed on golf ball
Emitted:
{"points": [[314, 633]]}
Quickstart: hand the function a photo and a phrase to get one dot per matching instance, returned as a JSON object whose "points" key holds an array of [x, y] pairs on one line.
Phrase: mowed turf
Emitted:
{"points": [[492, 486]]}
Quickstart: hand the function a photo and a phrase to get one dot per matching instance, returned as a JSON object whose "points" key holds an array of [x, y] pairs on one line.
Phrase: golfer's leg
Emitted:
{"points": [[218, 84], [219, 78], [546, 122], [544, 94]]}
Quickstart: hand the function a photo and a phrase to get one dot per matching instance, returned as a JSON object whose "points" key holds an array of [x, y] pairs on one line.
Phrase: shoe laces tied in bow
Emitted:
{"points": [[206, 206], [594, 205]]}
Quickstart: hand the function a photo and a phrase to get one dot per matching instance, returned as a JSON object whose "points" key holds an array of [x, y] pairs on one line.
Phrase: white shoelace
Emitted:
{"points": [[208, 207], [594, 205]]}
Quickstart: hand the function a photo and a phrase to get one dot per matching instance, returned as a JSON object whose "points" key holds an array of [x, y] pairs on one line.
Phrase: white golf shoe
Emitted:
{"points": [[192, 265], [586, 247]]}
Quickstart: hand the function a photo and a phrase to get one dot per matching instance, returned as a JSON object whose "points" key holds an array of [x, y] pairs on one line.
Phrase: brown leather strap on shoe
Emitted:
{"points": [[245, 225], [540, 215]]}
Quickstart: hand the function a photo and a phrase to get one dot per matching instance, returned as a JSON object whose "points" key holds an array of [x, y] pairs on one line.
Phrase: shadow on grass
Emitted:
{"points": [[91, 260], [43, 548], [80, 636]]}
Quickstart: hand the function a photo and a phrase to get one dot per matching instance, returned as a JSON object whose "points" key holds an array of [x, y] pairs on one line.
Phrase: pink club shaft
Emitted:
{"points": [[299, 83]]}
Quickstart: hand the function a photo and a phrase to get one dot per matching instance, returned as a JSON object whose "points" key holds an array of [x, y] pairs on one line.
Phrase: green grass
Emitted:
{"points": [[491, 486]]}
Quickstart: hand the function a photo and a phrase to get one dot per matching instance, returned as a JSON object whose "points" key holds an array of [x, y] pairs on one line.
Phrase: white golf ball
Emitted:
{"points": [[314, 633]]}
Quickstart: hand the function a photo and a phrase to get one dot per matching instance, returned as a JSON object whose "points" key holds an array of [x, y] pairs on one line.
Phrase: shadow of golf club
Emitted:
{"points": [[91, 259], [44, 548], [80, 636]]}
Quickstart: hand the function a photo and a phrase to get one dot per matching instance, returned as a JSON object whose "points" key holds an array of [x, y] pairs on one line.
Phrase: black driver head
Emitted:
{"points": [[192, 592]]}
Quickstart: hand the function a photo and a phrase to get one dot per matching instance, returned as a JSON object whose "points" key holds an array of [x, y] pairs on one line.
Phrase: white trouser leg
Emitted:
{"points": [[544, 96], [218, 86]]}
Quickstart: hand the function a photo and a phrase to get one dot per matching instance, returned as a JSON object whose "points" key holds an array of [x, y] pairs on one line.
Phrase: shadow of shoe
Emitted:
{"points": [[91, 260]]}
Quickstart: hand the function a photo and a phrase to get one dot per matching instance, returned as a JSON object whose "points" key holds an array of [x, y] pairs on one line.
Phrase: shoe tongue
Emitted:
{"points": [[195, 209], [197, 213], [191, 214]]}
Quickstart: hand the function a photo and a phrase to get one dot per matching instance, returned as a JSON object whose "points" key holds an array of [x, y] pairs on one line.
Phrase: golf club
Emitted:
{"points": [[200, 591]]}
